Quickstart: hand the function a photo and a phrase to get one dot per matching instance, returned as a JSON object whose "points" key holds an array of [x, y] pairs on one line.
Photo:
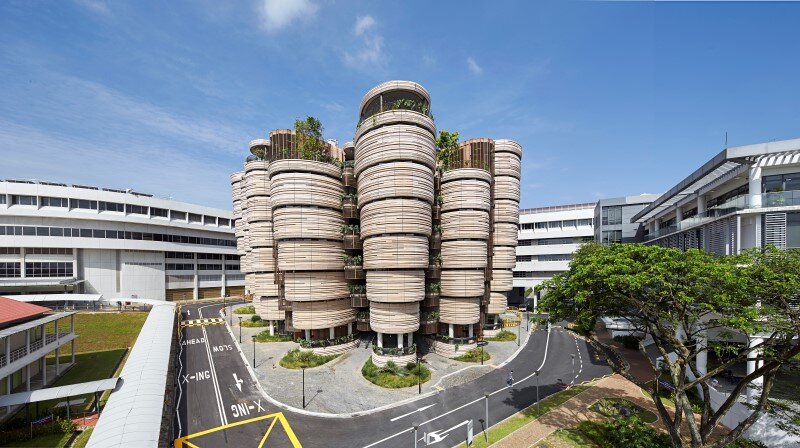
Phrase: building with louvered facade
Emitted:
{"points": [[383, 236], [744, 197]]}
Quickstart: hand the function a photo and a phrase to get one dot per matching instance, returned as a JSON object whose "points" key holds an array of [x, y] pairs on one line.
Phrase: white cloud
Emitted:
{"points": [[473, 66], [278, 14], [95, 6], [370, 52], [364, 23]]}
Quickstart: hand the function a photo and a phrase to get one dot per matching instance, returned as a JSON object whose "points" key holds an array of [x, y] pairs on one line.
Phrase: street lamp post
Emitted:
{"points": [[416, 428], [486, 428], [254, 352], [240, 329], [304, 387]]}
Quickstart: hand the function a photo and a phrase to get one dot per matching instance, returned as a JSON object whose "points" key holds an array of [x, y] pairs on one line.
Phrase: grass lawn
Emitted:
{"points": [[247, 309], [106, 331], [82, 439], [393, 376], [503, 336], [48, 441], [264, 336], [527, 415], [611, 407], [565, 438], [296, 359], [473, 355]]}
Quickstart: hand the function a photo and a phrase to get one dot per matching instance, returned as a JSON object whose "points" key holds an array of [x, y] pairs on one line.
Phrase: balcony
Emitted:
{"points": [[434, 271], [349, 176], [429, 326], [437, 212], [284, 305], [279, 276], [354, 273], [350, 210], [288, 323], [362, 321], [394, 351], [431, 299], [352, 241], [359, 300], [436, 240]]}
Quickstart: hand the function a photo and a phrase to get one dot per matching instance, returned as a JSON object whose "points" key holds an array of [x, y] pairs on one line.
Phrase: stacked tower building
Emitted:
{"points": [[380, 233]]}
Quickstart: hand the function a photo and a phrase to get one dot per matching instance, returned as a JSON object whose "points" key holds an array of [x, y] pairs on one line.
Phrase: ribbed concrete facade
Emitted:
{"points": [[380, 233]]}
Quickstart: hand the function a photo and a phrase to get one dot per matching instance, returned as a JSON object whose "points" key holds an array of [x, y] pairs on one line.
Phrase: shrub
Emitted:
{"points": [[473, 355], [297, 359], [247, 309], [503, 336], [10, 436], [624, 432], [264, 336], [255, 318], [393, 377]]}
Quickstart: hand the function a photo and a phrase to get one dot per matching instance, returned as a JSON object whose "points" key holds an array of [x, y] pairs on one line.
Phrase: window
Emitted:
{"points": [[136, 209], [524, 242], [612, 236], [526, 226], [193, 217], [231, 267], [159, 212], [2, 199], [523, 258], [209, 267], [180, 255], [48, 269], [48, 251], [523, 274], [780, 182], [180, 267], [612, 215], [18, 199], [793, 230], [9, 251], [555, 257], [223, 222], [551, 241], [83, 204], [178, 216], [212, 220], [10, 270], [54, 202], [112, 207], [116, 234], [554, 225], [209, 256], [540, 226], [569, 223], [585, 222]]}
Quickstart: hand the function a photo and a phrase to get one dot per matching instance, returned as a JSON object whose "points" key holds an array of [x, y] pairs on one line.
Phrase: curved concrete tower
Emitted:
{"points": [[506, 192]]}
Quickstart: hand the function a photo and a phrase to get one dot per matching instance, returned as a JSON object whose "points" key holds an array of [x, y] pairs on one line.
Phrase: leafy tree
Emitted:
{"points": [[310, 142], [677, 297], [624, 432], [447, 142]]}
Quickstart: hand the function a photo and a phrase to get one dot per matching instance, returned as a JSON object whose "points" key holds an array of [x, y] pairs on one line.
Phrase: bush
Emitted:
{"points": [[393, 377], [255, 318], [10, 436], [297, 359], [473, 355], [620, 407], [628, 341], [746, 443], [247, 309], [503, 336], [264, 336], [624, 432]]}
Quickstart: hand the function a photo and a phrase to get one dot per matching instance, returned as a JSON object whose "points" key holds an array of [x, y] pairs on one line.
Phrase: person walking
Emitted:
{"points": [[510, 379]]}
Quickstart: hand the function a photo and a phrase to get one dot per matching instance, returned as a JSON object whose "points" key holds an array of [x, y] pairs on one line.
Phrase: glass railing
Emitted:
{"points": [[744, 202]]}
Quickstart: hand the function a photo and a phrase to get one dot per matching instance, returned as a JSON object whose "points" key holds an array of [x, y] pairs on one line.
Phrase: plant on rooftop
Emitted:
{"points": [[447, 143]]}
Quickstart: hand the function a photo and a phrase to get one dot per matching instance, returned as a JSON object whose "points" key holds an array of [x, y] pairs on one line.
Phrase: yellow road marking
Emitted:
{"points": [[266, 434], [179, 443]]}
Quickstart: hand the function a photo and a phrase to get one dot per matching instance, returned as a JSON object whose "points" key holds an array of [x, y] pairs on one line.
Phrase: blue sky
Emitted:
{"points": [[607, 98]]}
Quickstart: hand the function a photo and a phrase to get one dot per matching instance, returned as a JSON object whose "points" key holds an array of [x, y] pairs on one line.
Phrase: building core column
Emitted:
{"points": [[380, 340], [754, 388], [349, 328], [400, 340], [450, 331], [470, 331], [754, 186], [410, 338], [332, 333], [701, 360]]}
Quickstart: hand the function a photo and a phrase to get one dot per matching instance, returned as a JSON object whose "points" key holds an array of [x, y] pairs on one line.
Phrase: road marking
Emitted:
{"points": [[440, 435], [201, 322], [546, 345], [412, 412], [258, 405], [266, 434], [238, 382], [278, 416], [217, 393]]}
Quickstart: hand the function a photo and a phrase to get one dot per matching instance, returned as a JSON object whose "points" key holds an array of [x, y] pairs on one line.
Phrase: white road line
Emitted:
{"points": [[214, 379], [546, 345], [180, 389], [412, 412]]}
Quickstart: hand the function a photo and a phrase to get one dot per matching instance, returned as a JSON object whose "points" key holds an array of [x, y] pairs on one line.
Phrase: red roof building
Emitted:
{"points": [[13, 312]]}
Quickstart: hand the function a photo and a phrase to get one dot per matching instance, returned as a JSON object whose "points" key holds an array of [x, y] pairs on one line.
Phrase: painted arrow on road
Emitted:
{"points": [[238, 382], [412, 412]]}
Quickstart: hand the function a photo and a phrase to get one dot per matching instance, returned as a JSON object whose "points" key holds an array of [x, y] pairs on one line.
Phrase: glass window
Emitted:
{"points": [[83, 204], [10, 270], [48, 269], [569, 223], [29, 231], [612, 236], [136, 209], [54, 202], [178, 216], [43, 231], [212, 220], [523, 258], [540, 226], [2, 199], [193, 217], [112, 207], [793, 230], [160, 212], [585, 222], [223, 222], [18, 199], [612, 215]]}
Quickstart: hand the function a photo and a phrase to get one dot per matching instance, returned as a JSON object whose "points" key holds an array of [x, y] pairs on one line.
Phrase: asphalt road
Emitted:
{"points": [[221, 405]]}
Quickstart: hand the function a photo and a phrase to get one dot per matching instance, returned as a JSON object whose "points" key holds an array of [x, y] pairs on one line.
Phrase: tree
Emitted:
{"points": [[310, 142], [447, 142], [677, 297]]}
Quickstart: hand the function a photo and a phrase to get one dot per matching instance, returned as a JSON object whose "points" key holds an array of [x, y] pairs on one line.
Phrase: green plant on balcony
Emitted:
{"points": [[437, 229], [357, 288], [447, 142], [436, 260], [351, 229], [349, 197], [362, 315], [434, 287], [348, 164], [430, 316], [394, 351], [409, 104], [353, 261]]}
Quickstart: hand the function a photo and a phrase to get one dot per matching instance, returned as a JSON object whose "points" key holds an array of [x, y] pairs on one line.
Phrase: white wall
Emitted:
{"points": [[142, 274], [99, 269]]}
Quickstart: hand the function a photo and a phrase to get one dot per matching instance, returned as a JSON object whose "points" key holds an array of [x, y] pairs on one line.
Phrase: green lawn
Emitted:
{"points": [[503, 336], [247, 309], [82, 439], [297, 359], [565, 438], [106, 331], [48, 441], [526, 416], [610, 407]]}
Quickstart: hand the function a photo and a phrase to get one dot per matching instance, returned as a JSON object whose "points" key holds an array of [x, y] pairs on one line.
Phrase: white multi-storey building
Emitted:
{"points": [[547, 238], [118, 243]]}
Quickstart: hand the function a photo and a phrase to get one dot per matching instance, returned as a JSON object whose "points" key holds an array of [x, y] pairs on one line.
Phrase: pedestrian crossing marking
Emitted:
{"points": [[202, 322]]}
